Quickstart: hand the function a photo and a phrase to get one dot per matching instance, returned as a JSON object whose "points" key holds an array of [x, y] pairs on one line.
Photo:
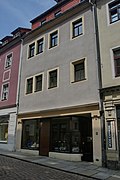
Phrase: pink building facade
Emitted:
{"points": [[10, 58]]}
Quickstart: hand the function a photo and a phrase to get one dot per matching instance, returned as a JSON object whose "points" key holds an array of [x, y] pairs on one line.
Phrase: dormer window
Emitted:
{"points": [[16, 35], [57, 13], [43, 22]]}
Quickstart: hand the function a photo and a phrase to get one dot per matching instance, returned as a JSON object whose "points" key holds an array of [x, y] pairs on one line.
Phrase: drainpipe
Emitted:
{"points": [[18, 91], [94, 8]]}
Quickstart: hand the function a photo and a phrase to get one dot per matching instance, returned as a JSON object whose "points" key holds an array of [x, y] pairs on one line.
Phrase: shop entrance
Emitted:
{"points": [[86, 138], [44, 137]]}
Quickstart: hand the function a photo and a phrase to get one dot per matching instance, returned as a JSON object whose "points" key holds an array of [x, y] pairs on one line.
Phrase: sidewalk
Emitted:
{"points": [[86, 169]]}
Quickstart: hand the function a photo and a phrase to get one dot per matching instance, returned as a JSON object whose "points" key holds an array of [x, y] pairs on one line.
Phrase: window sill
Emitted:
{"points": [[39, 53], [3, 142], [73, 37], [114, 21], [53, 46], [38, 91], [78, 80], [52, 87], [30, 57], [4, 99], [28, 93]]}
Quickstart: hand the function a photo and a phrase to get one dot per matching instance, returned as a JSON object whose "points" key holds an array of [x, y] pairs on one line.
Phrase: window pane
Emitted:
{"points": [[29, 85], [40, 46], [53, 79], [114, 9], [77, 28], [5, 92], [79, 71], [8, 61], [38, 83], [31, 50], [4, 128], [54, 39], [117, 61], [30, 139]]}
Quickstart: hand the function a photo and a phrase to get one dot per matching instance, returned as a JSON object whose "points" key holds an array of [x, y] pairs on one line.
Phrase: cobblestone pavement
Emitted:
{"points": [[13, 169]]}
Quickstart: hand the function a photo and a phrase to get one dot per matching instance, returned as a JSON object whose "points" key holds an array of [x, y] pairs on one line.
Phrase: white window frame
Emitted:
{"points": [[2, 99], [113, 63], [49, 39], [71, 27], [26, 94], [36, 45], [72, 74], [57, 68], [108, 15], [6, 60], [35, 82]]}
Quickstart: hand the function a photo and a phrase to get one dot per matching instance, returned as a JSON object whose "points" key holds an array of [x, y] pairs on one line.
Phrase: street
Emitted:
{"points": [[14, 169]]}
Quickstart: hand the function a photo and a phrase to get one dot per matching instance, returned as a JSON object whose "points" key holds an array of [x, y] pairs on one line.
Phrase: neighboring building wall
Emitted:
{"points": [[109, 41], [9, 75]]}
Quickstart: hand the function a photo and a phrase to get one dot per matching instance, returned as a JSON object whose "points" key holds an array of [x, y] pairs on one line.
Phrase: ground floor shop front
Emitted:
{"points": [[8, 128], [72, 134]]}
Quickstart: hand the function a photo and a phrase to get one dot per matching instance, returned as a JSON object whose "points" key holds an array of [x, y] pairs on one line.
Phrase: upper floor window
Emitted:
{"points": [[77, 28], [53, 78], [29, 86], [40, 44], [78, 70], [5, 89], [116, 54], [114, 11], [54, 39], [38, 83], [8, 62], [31, 50]]}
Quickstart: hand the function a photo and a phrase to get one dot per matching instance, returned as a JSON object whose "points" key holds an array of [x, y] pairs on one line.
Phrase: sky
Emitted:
{"points": [[19, 13]]}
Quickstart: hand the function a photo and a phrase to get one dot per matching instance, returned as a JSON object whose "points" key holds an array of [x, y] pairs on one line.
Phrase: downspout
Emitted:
{"points": [[18, 90], [101, 107]]}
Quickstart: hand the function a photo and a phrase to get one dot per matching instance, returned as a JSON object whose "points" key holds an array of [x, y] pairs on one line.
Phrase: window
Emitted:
{"points": [[40, 46], [30, 134], [114, 11], [8, 62], [53, 79], [4, 128], [29, 88], [54, 39], [116, 54], [57, 13], [43, 22], [31, 50], [78, 70], [77, 28], [5, 90], [64, 136], [38, 83]]}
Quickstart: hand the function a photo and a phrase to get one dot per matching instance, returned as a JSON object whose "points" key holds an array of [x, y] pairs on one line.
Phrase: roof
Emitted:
{"points": [[49, 10], [6, 38], [20, 29]]}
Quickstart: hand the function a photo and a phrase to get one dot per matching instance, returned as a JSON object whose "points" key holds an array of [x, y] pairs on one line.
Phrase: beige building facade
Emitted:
{"points": [[109, 33], [59, 97]]}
